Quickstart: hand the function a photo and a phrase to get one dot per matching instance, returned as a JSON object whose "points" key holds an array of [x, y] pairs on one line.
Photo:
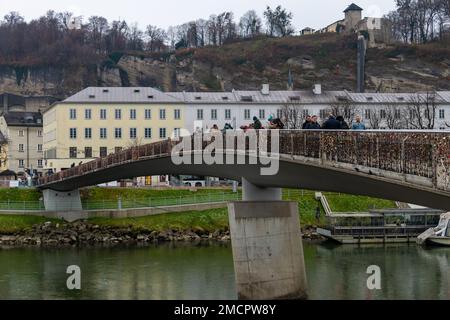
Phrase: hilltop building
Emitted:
{"points": [[375, 30]]}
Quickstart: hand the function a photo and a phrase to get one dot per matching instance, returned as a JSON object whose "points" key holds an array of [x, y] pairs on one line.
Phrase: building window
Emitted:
{"points": [[73, 114], [133, 114], [412, 114], [162, 133], [73, 133], [442, 114], [279, 113], [162, 114], [117, 149], [21, 163], [103, 152], [383, 114], [367, 114], [39, 148], [176, 132], [247, 114], [21, 147], [118, 133], [227, 114], [40, 163], [199, 114], [88, 152], [39, 133], [21, 133], [262, 113], [88, 133], [73, 152], [88, 114], [213, 114], [148, 133], [118, 114], [103, 134], [148, 114], [177, 114], [103, 114], [133, 133], [397, 114]]}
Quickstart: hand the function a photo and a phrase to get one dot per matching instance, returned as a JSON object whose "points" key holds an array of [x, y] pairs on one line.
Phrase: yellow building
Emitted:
{"points": [[99, 121]]}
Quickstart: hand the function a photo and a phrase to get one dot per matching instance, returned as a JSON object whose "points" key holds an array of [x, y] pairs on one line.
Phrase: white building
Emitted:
{"points": [[378, 110]]}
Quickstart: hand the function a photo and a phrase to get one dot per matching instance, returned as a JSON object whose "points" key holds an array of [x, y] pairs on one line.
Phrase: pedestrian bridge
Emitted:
{"points": [[407, 166]]}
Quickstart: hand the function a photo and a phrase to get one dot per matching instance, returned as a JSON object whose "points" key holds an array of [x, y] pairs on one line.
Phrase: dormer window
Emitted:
{"points": [[224, 98], [198, 98], [137, 91], [400, 98], [369, 98], [342, 98], [91, 96], [150, 97], [247, 98], [294, 98], [105, 90]]}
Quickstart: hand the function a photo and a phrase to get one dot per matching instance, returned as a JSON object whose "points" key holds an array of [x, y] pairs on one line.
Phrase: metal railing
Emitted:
{"points": [[420, 153], [130, 203]]}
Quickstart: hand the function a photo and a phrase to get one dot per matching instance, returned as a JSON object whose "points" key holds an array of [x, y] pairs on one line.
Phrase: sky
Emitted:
{"points": [[164, 13]]}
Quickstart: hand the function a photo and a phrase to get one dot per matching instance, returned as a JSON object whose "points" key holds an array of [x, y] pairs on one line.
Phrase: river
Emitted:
{"points": [[187, 271]]}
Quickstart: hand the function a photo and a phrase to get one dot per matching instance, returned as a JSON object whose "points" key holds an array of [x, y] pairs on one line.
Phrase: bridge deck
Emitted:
{"points": [[417, 153]]}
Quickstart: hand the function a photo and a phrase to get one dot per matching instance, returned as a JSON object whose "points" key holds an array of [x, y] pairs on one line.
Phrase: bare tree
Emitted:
{"points": [[98, 28], [393, 117], [345, 109], [13, 18], [250, 24], [135, 41], [374, 118], [293, 115], [156, 38], [420, 112]]}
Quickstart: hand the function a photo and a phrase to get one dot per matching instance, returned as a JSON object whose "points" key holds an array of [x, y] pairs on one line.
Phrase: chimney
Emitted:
{"points": [[265, 89], [317, 89]]}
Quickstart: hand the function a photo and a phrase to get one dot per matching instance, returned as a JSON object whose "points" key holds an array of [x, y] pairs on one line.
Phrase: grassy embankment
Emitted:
{"points": [[209, 220]]}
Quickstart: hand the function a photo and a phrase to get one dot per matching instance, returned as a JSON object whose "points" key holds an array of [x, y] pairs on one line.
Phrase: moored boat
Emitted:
{"points": [[440, 235]]}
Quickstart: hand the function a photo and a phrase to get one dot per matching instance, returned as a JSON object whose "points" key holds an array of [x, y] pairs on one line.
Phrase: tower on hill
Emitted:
{"points": [[353, 14]]}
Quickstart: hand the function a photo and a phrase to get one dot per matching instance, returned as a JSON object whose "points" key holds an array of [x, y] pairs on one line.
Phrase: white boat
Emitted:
{"points": [[439, 235]]}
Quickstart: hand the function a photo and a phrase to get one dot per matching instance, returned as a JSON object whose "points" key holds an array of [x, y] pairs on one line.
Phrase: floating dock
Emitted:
{"points": [[380, 226]]}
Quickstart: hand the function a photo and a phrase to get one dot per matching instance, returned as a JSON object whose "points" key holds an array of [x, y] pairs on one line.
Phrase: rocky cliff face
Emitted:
{"points": [[329, 60]]}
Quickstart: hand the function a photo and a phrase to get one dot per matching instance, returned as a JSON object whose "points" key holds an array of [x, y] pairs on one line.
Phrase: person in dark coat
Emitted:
{"points": [[331, 124], [307, 122], [342, 123], [313, 125], [257, 125]]}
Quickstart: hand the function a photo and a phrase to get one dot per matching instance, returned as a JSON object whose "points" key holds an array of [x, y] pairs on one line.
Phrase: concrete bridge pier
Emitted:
{"points": [[267, 246], [67, 205]]}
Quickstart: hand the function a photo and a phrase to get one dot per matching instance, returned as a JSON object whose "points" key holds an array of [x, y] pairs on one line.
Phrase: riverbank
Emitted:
{"points": [[210, 225]]}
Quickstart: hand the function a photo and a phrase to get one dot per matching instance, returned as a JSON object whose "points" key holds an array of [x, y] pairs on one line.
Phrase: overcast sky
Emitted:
{"points": [[163, 13]]}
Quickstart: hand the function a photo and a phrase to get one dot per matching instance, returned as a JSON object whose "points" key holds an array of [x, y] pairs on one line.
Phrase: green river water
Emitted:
{"points": [[187, 271]]}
